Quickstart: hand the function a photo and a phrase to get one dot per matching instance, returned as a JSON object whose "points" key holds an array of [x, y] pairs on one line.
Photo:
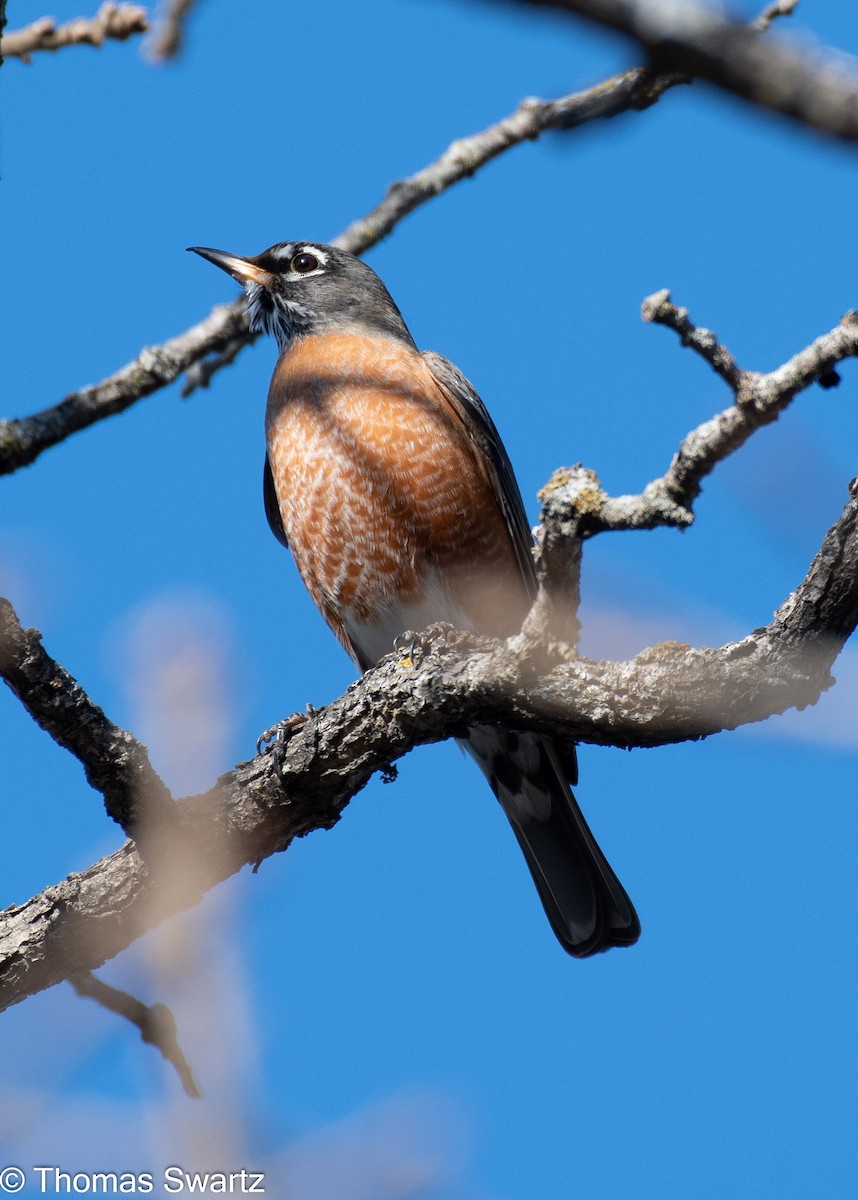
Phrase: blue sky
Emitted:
{"points": [[383, 1011]]}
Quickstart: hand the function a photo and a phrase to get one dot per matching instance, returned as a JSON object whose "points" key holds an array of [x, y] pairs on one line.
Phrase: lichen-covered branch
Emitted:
{"points": [[658, 310], [112, 22], [815, 87], [215, 341], [116, 764], [668, 693], [759, 399], [575, 507]]}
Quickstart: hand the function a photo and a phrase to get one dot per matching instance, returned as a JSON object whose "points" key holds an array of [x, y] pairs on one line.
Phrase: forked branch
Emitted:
{"points": [[758, 399]]}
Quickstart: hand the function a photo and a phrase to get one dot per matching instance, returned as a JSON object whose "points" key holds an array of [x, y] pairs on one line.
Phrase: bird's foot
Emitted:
{"points": [[406, 646], [412, 646], [273, 741]]}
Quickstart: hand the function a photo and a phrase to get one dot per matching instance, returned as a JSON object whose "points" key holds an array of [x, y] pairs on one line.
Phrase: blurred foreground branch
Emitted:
{"points": [[112, 22], [156, 1022], [168, 35], [817, 88]]}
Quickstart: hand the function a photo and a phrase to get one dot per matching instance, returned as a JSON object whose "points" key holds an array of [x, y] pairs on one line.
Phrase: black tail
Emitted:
{"points": [[585, 902]]}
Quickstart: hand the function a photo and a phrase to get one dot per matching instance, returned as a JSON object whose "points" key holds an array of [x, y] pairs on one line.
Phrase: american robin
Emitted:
{"points": [[386, 477]]}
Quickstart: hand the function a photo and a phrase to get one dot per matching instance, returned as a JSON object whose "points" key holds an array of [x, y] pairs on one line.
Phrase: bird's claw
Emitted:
{"points": [[273, 741], [403, 643], [409, 645]]}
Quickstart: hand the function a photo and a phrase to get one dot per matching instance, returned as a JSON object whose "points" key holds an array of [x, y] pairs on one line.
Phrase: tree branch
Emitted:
{"points": [[116, 764], [666, 694], [115, 22], [156, 1022], [780, 8], [816, 88], [635, 89], [2, 27], [759, 399], [224, 333], [169, 33], [22, 441], [658, 310]]}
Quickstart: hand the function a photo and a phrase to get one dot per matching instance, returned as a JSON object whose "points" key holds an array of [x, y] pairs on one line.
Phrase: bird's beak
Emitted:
{"points": [[243, 270]]}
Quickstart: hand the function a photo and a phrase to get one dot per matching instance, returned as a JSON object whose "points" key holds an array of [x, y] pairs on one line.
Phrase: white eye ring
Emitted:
{"points": [[304, 262]]}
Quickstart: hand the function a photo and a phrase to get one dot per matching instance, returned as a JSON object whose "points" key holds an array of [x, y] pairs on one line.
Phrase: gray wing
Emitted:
{"points": [[481, 428], [272, 508]]}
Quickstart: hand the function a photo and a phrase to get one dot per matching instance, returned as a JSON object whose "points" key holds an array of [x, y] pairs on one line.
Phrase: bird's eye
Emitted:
{"points": [[304, 262]]}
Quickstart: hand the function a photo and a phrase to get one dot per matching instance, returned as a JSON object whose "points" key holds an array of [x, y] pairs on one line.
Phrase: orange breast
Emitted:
{"points": [[380, 488]]}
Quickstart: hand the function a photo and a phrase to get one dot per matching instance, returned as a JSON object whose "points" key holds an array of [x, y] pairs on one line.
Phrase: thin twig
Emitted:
{"points": [[168, 36], [114, 22], [635, 89], [201, 373], [659, 310], [156, 1022], [780, 8], [759, 400]]}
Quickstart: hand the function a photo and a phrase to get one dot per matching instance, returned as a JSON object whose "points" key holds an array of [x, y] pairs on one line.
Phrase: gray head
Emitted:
{"points": [[296, 289]]}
